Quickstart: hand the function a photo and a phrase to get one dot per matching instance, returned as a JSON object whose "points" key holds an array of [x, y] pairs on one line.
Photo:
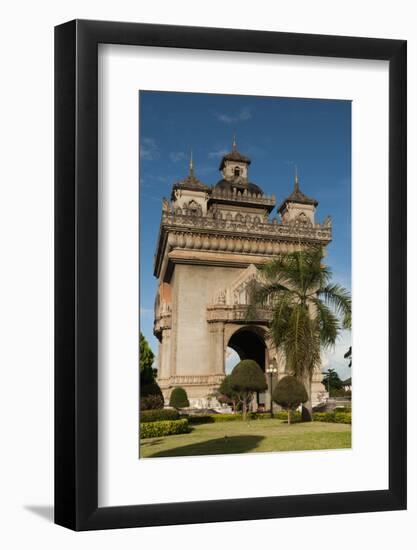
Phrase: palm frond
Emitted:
{"points": [[308, 311], [339, 299], [329, 325]]}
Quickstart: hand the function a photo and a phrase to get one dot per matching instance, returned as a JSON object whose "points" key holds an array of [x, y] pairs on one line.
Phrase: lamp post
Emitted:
{"points": [[271, 370]]}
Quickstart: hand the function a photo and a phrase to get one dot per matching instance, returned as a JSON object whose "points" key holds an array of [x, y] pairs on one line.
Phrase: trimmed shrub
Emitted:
{"points": [[201, 419], [151, 397], [159, 414], [247, 377], [178, 398], [342, 409], [163, 428], [213, 418], [337, 417], [289, 393], [151, 402], [228, 394], [216, 418]]}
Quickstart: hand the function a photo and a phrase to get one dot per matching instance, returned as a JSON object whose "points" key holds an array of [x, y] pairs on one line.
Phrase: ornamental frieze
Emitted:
{"points": [[252, 225], [192, 379], [233, 243]]}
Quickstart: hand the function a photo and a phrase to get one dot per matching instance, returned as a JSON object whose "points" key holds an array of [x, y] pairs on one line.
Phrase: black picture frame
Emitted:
{"points": [[76, 271]]}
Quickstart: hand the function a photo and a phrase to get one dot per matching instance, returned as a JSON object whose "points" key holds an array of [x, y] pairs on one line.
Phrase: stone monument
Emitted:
{"points": [[210, 241]]}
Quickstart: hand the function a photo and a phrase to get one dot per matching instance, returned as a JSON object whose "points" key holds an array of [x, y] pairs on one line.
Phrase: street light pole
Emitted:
{"points": [[271, 370]]}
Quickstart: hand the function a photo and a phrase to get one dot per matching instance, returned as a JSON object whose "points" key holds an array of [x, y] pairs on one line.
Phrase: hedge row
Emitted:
{"points": [[159, 414], [164, 427], [165, 421], [338, 417], [347, 409], [212, 418]]}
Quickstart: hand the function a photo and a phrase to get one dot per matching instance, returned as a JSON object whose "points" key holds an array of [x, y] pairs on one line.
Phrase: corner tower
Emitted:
{"points": [[297, 207]]}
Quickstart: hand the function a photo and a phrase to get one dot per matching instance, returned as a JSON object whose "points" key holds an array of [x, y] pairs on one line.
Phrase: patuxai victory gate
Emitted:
{"points": [[210, 241]]}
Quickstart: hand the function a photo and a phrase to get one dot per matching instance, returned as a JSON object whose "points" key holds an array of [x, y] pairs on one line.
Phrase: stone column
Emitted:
{"points": [[217, 350], [164, 371], [165, 354]]}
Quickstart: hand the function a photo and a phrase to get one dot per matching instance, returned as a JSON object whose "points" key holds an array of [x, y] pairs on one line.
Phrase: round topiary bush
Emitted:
{"points": [[178, 398], [289, 393], [151, 397], [247, 377]]}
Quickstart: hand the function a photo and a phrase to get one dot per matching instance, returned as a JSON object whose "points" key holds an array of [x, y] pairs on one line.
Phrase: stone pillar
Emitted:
{"points": [[268, 393], [319, 392], [217, 349], [165, 354], [164, 370]]}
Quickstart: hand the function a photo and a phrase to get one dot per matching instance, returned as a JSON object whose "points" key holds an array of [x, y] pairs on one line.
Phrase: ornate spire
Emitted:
{"points": [[190, 182], [234, 155], [191, 172], [297, 196], [296, 184]]}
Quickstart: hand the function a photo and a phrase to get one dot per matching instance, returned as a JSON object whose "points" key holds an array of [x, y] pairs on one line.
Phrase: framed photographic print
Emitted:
{"points": [[230, 275]]}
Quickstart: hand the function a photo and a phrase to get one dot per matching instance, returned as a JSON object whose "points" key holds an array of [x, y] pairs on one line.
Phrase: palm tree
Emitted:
{"points": [[308, 310], [348, 355]]}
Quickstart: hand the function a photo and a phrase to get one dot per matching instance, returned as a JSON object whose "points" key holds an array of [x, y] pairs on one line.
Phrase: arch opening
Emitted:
{"points": [[247, 343]]}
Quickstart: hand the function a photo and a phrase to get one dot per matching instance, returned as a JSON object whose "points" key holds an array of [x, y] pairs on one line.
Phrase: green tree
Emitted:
{"points": [[178, 398], [151, 397], [227, 394], [332, 381], [290, 393], [146, 359], [308, 310], [246, 378], [150, 393]]}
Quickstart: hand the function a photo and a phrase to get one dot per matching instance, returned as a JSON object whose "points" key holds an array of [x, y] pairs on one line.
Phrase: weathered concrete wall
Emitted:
{"points": [[193, 288]]}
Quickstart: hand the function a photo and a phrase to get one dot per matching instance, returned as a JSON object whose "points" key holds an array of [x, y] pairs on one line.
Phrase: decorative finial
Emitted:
{"points": [[296, 186], [234, 146], [191, 164]]}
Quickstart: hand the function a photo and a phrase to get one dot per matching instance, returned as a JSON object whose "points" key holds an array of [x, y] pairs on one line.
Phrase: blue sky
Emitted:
{"points": [[277, 134]]}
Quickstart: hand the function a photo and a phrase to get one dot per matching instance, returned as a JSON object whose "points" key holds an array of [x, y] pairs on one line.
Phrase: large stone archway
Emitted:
{"points": [[249, 343], [210, 243]]}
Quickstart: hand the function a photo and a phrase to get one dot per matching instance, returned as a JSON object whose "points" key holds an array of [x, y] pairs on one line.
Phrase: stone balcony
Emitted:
{"points": [[243, 197], [237, 313]]}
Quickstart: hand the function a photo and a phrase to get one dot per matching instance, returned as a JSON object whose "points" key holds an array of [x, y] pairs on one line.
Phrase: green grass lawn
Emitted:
{"points": [[258, 436]]}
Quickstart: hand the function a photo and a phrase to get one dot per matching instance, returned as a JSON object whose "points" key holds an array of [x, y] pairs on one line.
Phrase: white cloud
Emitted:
{"points": [[333, 358], [217, 154], [177, 157], [242, 115], [232, 359], [149, 149]]}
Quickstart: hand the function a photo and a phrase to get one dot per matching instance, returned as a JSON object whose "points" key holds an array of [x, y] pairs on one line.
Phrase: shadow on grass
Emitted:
{"points": [[152, 443], [219, 446]]}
